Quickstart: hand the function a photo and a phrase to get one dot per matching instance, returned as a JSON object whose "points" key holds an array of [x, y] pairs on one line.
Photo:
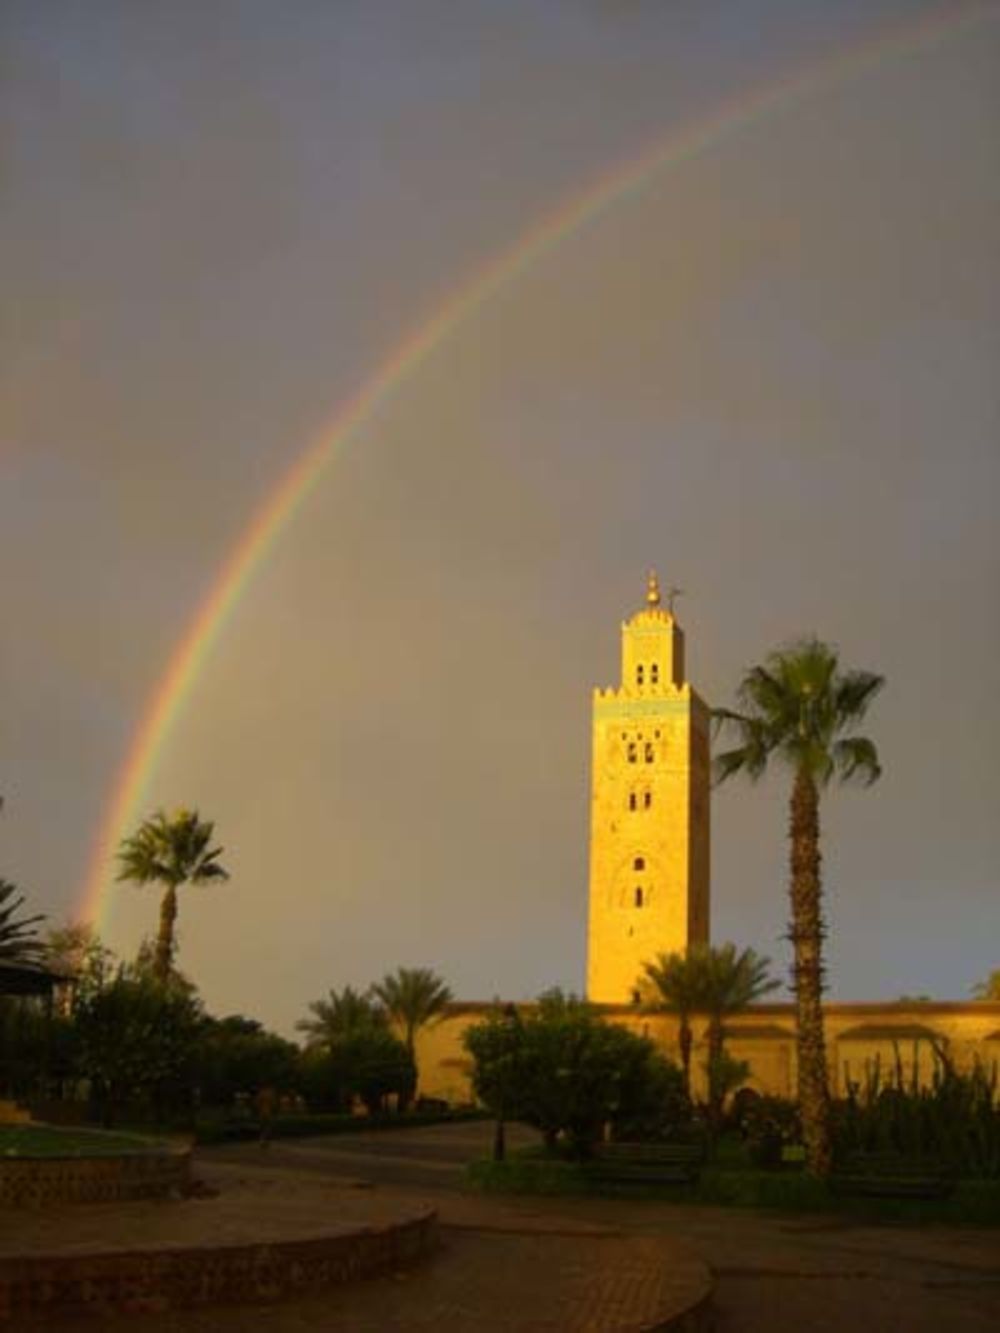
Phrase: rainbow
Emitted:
{"points": [[612, 188]]}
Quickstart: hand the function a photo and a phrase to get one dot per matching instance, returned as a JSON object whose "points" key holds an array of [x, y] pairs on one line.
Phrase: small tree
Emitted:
{"points": [[137, 1041], [235, 1055], [77, 951], [566, 1071], [413, 997]]}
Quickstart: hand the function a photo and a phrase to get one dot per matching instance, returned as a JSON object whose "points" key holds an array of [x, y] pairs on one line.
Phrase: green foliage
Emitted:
{"points": [[18, 934], [714, 980], [136, 1041], [48, 1141], [171, 850], [953, 1121], [800, 706], [78, 951], [768, 1126], [990, 988], [375, 1065], [566, 1071], [412, 997], [341, 1015], [235, 1055]]}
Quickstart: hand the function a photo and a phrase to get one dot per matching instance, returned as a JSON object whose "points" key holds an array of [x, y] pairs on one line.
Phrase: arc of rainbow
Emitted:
{"points": [[291, 492]]}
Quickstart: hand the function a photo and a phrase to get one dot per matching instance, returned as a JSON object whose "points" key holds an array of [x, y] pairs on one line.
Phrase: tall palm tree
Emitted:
{"points": [[342, 1015], [800, 707], [413, 997], [171, 850], [18, 944]]}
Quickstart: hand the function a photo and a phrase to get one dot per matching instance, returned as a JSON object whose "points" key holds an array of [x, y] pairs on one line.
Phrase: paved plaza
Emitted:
{"points": [[597, 1264]]}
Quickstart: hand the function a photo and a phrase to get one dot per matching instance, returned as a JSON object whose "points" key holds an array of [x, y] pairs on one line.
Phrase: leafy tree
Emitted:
{"points": [[77, 950], [988, 989], [236, 1055], [136, 1041], [412, 997], [566, 1071], [18, 935], [373, 1064], [800, 707], [342, 1014], [170, 850], [144, 967]]}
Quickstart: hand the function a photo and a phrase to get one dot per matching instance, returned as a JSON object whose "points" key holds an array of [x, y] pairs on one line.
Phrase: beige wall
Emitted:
{"points": [[764, 1036]]}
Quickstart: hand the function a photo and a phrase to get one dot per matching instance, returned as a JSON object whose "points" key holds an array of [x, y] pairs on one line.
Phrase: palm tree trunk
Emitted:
{"points": [[685, 1041], [806, 933], [164, 954]]}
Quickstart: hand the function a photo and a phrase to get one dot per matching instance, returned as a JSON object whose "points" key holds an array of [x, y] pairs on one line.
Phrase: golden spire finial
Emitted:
{"points": [[652, 589]]}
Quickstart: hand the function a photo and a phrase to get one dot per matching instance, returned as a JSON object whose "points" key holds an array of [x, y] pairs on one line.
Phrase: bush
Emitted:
{"points": [[955, 1121], [235, 1056], [569, 1073]]}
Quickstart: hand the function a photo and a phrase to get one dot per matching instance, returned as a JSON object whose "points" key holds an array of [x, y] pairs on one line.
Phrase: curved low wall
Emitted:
{"points": [[33, 1182], [134, 1280]]}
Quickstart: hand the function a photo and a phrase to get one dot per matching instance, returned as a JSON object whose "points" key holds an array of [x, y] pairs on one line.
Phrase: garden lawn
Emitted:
{"points": [[730, 1183], [49, 1141]]}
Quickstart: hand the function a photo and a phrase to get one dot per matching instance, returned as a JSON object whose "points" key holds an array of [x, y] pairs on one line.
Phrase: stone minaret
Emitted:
{"points": [[649, 829]]}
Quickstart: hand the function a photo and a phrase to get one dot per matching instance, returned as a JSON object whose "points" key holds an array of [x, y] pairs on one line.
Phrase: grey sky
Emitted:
{"points": [[771, 374]]}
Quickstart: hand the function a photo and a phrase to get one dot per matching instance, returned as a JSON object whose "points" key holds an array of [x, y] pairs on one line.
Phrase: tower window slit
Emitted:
{"points": [[649, 752], [632, 752], [647, 799], [638, 675], [632, 800], [654, 673], [638, 897]]}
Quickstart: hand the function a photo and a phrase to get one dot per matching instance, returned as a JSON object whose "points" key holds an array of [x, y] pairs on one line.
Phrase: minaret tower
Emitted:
{"points": [[649, 831]]}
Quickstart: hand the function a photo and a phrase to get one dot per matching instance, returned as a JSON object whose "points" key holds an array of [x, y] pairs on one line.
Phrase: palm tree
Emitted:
{"points": [[732, 982], [413, 997], [802, 708], [171, 850], [678, 982], [18, 944], [342, 1015], [707, 980]]}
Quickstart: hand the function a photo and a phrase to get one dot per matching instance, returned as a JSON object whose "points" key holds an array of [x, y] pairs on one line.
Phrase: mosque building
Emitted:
{"points": [[650, 893]]}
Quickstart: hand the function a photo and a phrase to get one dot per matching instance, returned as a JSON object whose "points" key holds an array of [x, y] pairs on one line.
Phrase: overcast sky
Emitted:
{"points": [[772, 373]]}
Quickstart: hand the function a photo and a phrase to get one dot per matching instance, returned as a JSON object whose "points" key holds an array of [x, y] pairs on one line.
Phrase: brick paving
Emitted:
{"points": [[516, 1265]]}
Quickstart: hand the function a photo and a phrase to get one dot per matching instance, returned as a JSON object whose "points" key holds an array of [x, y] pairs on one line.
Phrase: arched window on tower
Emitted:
{"points": [[649, 752], [647, 799], [633, 800], [638, 675], [654, 673], [639, 863], [638, 897], [632, 752]]}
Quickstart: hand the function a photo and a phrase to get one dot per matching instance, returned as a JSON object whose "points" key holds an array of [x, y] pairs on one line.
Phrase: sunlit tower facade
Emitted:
{"points": [[649, 830]]}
